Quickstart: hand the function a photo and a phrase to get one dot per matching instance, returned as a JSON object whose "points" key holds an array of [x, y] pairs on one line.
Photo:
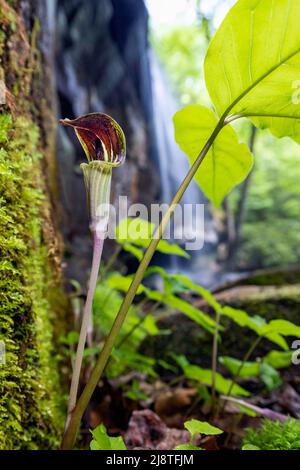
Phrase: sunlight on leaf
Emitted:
{"points": [[253, 64], [194, 426], [102, 441], [226, 164]]}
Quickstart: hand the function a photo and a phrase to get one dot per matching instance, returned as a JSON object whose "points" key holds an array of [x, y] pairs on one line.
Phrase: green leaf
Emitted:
{"points": [[102, 441], [256, 324], [204, 376], [199, 289], [194, 426], [171, 249], [250, 447], [70, 338], [263, 370], [278, 359], [149, 325], [270, 376], [226, 164], [250, 369], [135, 361], [122, 283], [137, 252], [134, 392], [185, 307], [137, 231], [180, 359], [172, 285], [91, 351], [187, 447], [253, 64], [282, 327]]}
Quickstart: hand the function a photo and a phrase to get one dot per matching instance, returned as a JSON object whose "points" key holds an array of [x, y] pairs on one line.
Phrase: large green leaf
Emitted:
{"points": [[252, 66], [226, 164]]}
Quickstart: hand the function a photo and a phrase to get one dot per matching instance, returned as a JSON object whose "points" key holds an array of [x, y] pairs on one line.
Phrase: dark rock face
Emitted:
{"points": [[102, 65]]}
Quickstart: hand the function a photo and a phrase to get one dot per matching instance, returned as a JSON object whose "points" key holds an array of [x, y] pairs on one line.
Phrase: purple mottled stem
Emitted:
{"points": [[86, 321]]}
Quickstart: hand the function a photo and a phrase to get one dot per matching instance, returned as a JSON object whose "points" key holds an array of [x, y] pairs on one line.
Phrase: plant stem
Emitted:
{"points": [[98, 240], [214, 361], [245, 359], [77, 413]]}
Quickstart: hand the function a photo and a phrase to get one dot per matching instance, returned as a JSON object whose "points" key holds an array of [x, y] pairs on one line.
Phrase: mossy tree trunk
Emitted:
{"points": [[32, 306]]}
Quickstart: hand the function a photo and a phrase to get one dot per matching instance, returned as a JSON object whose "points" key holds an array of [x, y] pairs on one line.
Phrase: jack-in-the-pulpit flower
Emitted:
{"points": [[104, 144]]}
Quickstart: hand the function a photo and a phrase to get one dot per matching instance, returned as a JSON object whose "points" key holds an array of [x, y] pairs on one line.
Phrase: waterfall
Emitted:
{"points": [[173, 166]]}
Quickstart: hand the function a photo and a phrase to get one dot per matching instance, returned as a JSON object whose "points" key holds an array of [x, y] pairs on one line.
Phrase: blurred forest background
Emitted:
{"points": [[260, 223], [165, 47]]}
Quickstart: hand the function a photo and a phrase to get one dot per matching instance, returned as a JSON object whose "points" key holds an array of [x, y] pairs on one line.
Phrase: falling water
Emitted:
{"points": [[173, 165]]}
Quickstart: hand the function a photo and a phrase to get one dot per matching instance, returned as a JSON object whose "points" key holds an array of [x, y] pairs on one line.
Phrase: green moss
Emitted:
{"points": [[32, 306], [274, 435], [30, 415]]}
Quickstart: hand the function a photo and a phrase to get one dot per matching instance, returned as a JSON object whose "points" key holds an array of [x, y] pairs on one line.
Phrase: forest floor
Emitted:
{"points": [[150, 413]]}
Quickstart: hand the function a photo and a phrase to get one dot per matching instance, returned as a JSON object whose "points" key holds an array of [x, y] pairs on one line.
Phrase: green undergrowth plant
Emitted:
{"points": [[251, 69], [273, 435], [196, 427], [102, 441], [174, 296]]}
